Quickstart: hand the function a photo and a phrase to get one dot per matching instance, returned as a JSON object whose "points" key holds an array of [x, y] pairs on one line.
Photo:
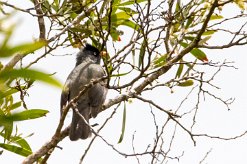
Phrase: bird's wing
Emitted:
{"points": [[72, 85], [97, 93], [77, 79], [64, 96]]}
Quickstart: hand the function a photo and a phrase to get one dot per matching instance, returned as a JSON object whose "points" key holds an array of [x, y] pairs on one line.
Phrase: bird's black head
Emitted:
{"points": [[89, 53]]}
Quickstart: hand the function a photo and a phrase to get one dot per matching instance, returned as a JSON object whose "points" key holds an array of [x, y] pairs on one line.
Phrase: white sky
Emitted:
{"points": [[213, 117]]}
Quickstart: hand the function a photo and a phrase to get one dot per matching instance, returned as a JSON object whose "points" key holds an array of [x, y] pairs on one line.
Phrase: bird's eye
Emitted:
{"points": [[95, 54]]}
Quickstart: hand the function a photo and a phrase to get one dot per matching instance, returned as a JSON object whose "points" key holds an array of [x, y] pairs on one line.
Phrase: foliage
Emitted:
{"points": [[15, 81]]}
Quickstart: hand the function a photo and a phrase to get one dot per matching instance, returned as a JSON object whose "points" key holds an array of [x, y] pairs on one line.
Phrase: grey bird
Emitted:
{"points": [[87, 68]]}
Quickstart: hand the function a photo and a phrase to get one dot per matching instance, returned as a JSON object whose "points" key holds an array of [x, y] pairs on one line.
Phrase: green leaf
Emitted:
{"points": [[190, 67], [120, 74], [187, 83], [240, 4], [29, 114], [179, 71], [8, 128], [24, 49], [176, 27], [115, 4], [4, 121], [199, 54], [46, 6], [190, 38], [204, 40], [131, 2], [8, 92], [15, 105], [160, 61], [19, 140], [178, 7], [128, 11], [30, 47], [56, 2], [123, 124], [119, 16], [8, 34], [81, 29], [189, 21], [7, 124], [209, 32], [103, 6], [142, 53], [215, 17], [115, 34], [7, 120], [31, 74], [16, 149], [55, 5], [63, 8], [128, 23]]}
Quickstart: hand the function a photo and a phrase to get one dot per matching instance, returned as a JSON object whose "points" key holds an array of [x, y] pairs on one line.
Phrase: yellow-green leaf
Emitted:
{"points": [[186, 83], [24, 49], [142, 53], [19, 141], [8, 92], [204, 40], [121, 74], [128, 23], [240, 4], [215, 17], [123, 124], [21, 116], [29, 114], [131, 2], [179, 71], [31, 74], [199, 54], [120, 15], [209, 32], [158, 62], [15, 105], [16, 149]]}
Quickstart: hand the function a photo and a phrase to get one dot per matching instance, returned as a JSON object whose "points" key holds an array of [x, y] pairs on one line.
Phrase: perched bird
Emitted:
{"points": [[87, 68]]}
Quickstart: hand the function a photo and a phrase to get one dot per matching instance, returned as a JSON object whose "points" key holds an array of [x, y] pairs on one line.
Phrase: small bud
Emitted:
{"points": [[103, 54]]}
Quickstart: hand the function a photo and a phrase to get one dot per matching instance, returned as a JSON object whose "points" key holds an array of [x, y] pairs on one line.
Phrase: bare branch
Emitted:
{"points": [[41, 20]]}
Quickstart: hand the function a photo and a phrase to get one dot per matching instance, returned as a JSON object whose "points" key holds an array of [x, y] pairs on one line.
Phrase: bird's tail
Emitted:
{"points": [[78, 128]]}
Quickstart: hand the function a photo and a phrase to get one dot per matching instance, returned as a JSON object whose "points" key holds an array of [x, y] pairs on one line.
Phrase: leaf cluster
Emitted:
{"points": [[14, 81]]}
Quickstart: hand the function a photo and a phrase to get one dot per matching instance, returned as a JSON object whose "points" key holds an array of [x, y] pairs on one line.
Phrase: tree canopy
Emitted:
{"points": [[151, 46]]}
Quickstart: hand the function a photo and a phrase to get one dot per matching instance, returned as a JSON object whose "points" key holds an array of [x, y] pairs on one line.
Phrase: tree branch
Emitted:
{"points": [[58, 136], [41, 20]]}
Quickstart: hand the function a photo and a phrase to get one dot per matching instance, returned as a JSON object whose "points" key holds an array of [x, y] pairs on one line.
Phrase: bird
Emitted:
{"points": [[87, 67]]}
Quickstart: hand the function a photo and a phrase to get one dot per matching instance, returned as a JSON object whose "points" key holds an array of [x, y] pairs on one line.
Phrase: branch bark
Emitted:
{"points": [[41, 20]]}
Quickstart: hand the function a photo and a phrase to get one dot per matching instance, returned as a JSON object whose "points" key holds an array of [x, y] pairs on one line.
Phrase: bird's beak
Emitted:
{"points": [[103, 54]]}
